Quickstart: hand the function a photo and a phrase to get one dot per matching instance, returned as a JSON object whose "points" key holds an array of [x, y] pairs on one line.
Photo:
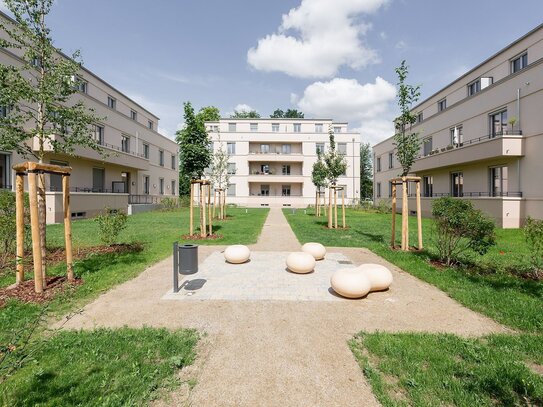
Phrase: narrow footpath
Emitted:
{"points": [[279, 353]]}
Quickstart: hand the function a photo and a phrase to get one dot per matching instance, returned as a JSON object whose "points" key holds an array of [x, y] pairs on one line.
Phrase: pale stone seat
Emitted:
{"points": [[358, 282], [317, 250], [300, 262], [380, 277], [237, 254]]}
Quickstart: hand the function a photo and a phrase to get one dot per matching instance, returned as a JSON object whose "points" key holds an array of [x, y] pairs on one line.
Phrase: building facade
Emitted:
{"points": [[271, 160], [482, 138], [140, 166]]}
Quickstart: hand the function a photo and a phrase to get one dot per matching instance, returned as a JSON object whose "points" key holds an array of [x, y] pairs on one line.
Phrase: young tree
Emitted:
{"points": [[45, 114], [336, 165], [244, 114], [219, 175], [406, 141], [366, 173], [318, 177]]}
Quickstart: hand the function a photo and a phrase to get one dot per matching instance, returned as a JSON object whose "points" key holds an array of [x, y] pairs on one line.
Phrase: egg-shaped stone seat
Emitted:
{"points": [[300, 262], [237, 254], [350, 283], [317, 250], [380, 277]]}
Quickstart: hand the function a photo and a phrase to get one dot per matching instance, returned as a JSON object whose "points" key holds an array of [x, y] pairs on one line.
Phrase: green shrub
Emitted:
{"points": [[383, 206], [533, 234], [184, 201], [111, 223], [460, 229], [169, 204], [8, 226]]}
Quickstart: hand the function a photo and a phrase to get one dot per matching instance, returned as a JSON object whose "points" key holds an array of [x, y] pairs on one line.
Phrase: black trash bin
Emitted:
{"points": [[185, 261]]}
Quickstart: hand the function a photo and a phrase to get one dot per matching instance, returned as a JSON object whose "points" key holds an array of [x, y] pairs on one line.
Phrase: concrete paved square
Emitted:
{"points": [[264, 277]]}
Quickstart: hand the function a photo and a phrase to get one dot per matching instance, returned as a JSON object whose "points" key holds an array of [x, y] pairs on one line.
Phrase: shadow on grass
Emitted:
{"points": [[97, 262]]}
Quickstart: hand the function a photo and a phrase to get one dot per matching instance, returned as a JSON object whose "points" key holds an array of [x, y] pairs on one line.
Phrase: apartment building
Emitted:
{"points": [[271, 159], [140, 167], [482, 138]]}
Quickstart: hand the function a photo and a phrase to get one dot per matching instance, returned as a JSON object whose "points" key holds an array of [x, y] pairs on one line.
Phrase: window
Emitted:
{"points": [[286, 169], [161, 158], [428, 186], [174, 159], [232, 127], [231, 168], [457, 184], [125, 144], [318, 128], [286, 149], [4, 111], [36, 62], [133, 115], [98, 179], [285, 190], [378, 164], [390, 161], [420, 117], [342, 148], [378, 190], [275, 127], [146, 184], [427, 145], [146, 150], [519, 63], [474, 87], [150, 124], [99, 134], [80, 84], [498, 123], [264, 148], [498, 181], [55, 180], [214, 128], [264, 169], [441, 105], [231, 148], [111, 102], [173, 186], [390, 189], [254, 126], [265, 190], [457, 135], [161, 186], [337, 129], [319, 148], [297, 127], [231, 191]]}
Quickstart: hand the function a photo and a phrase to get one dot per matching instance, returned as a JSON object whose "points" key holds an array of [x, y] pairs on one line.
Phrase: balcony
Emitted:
{"points": [[275, 157], [471, 151], [277, 178]]}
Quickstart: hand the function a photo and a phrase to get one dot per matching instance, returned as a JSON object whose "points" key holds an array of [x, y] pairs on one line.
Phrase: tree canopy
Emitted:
{"points": [[335, 163], [366, 174], [289, 114], [245, 114], [319, 172]]}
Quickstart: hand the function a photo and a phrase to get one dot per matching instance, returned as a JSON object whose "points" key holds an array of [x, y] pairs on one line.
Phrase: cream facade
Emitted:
{"points": [[271, 159], [482, 138], [140, 166]]}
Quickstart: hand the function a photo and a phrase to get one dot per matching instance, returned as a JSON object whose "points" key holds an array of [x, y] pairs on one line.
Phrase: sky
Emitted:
{"points": [[328, 58]]}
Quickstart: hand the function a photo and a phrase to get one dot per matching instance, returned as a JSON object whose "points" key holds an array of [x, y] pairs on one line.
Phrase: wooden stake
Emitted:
{"points": [[67, 227], [191, 227], [202, 210], [405, 220], [209, 210], [343, 206], [224, 204], [335, 208], [42, 212], [393, 238], [214, 201], [35, 227], [20, 221], [419, 217], [317, 202], [330, 208]]}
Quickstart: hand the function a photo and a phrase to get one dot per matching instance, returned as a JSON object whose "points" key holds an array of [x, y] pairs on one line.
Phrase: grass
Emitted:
{"points": [[417, 369], [156, 231], [103, 367], [509, 300]]}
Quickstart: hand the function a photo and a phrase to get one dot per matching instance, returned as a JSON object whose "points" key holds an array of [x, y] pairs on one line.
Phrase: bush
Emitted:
{"points": [[111, 223], [460, 229], [533, 234], [383, 206], [8, 226], [169, 204]]}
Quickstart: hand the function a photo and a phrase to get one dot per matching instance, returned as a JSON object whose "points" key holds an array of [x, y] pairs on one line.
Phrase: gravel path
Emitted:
{"points": [[280, 353]]}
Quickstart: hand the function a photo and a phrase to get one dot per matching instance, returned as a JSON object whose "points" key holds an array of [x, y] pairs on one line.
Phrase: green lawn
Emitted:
{"points": [[414, 369], [156, 231]]}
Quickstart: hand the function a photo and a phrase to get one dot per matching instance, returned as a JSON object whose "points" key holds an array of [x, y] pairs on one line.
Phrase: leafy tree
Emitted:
{"points": [[335, 163], [219, 176], [289, 114], [209, 114], [460, 229], [318, 177], [278, 114], [533, 235], [110, 224], [244, 114], [366, 173], [41, 94], [406, 141]]}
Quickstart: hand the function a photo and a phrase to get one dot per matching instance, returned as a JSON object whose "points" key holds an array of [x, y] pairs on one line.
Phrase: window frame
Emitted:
{"points": [[231, 148], [111, 102], [125, 143], [161, 157], [522, 58], [457, 190], [477, 87], [297, 127], [146, 150], [442, 104], [319, 127]]}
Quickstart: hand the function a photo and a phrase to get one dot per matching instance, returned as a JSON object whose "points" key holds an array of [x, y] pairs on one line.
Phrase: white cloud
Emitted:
{"points": [[316, 38], [242, 107], [376, 130]]}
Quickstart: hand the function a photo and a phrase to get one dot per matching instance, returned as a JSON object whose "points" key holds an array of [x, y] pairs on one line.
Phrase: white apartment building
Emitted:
{"points": [[141, 166], [482, 137], [271, 160]]}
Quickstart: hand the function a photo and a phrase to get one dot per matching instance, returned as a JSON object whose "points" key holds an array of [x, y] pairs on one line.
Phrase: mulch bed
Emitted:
{"points": [[24, 292], [198, 237]]}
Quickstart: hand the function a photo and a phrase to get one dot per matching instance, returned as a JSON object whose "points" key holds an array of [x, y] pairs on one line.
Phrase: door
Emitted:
{"points": [[98, 179], [55, 180]]}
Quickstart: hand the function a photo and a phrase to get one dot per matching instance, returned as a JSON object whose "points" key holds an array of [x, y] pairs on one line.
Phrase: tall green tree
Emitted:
{"points": [[318, 177], [277, 114], [245, 114], [406, 141], [366, 173], [335, 163], [289, 114], [41, 95]]}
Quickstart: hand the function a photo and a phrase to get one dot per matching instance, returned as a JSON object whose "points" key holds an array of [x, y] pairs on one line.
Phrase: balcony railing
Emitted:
{"points": [[145, 199], [120, 149], [275, 175], [91, 190], [276, 195], [511, 194]]}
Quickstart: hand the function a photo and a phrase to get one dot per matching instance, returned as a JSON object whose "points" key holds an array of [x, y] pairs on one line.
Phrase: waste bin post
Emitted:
{"points": [[175, 267]]}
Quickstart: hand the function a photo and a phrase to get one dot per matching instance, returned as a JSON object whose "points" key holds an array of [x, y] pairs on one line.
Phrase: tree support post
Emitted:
{"points": [[393, 237], [67, 226], [419, 217], [330, 208], [405, 216], [191, 210], [35, 228], [209, 209], [343, 207], [20, 221]]}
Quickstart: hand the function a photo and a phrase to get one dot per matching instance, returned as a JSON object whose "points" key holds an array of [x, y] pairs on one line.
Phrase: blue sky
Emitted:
{"points": [[329, 58]]}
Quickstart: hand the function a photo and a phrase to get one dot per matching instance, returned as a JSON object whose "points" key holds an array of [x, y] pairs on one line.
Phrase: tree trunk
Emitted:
{"points": [[329, 208]]}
